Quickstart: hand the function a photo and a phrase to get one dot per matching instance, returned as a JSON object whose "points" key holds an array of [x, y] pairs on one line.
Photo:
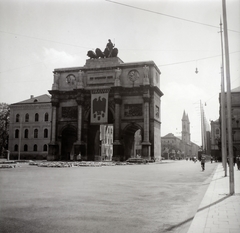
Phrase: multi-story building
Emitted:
{"points": [[30, 128], [235, 100], [215, 139]]}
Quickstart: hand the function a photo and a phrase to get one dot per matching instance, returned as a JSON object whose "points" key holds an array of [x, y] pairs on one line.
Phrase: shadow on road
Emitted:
{"points": [[190, 219]]}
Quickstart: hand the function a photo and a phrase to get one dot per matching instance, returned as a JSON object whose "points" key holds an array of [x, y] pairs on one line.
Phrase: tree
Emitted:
{"points": [[4, 127]]}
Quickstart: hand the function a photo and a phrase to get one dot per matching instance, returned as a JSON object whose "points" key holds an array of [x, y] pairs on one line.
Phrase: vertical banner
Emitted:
{"points": [[99, 106]]}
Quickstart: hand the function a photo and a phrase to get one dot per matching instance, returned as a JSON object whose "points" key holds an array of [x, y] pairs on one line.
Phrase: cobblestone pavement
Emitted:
{"points": [[219, 212]]}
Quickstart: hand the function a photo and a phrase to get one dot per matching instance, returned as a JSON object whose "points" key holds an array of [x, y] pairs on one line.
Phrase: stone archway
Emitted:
{"points": [[69, 136], [130, 91]]}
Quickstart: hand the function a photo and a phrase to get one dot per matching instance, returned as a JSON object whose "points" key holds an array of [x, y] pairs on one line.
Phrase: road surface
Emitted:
{"points": [[152, 198]]}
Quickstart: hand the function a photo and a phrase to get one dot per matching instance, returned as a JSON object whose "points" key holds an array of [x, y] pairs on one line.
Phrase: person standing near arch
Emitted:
{"points": [[203, 160]]}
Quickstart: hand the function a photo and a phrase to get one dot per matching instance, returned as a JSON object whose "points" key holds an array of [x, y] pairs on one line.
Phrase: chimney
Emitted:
{"points": [[31, 96]]}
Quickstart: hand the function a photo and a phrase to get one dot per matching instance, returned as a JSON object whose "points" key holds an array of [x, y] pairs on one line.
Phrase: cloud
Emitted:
{"points": [[60, 58]]}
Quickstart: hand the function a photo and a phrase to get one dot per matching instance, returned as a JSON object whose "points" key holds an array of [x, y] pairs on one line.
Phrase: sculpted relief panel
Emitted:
{"points": [[69, 112], [133, 110]]}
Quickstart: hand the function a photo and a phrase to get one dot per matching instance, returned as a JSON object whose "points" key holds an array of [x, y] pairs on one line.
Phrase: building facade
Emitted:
{"points": [[235, 114], [30, 128], [215, 140], [172, 147], [180, 148], [106, 91]]}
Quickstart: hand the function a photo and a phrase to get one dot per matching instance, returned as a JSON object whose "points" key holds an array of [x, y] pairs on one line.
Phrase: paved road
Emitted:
{"points": [[150, 198]]}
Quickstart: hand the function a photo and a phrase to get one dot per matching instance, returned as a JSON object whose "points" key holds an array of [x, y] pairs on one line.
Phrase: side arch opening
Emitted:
{"points": [[132, 141]]}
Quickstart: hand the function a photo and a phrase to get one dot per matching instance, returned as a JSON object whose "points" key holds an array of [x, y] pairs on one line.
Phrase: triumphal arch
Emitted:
{"points": [[106, 91]]}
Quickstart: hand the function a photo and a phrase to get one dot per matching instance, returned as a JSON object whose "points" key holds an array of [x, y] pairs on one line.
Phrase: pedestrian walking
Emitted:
{"points": [[238, 162], [203, 159], [211, 159]]}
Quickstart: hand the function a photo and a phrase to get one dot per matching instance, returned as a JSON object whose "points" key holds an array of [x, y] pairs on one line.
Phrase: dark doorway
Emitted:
{"points": [[69, 136], [93, 142]]}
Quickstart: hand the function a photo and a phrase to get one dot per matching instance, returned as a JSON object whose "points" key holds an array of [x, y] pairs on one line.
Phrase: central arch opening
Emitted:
{"points": [[94, 141]]}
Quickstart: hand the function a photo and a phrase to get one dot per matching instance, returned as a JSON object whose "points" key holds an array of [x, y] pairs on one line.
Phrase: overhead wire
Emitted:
{"points": [[43, 39], [126, 5], [171, 16], [203, 58]]}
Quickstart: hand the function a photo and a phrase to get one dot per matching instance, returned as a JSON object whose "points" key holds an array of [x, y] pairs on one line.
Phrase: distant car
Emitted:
{"points": [[137, 160]]}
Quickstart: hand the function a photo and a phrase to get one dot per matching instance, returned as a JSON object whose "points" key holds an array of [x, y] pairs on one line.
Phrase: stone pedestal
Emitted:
{"points": [[146, 150], [53, 150]]}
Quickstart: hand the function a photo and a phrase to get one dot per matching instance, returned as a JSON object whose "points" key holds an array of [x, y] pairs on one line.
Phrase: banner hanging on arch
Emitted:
{"points": [[99, 106]]}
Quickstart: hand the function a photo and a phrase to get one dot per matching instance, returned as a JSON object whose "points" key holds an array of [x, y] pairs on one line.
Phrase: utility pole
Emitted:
{"points": [[202, 126], [223, 113], [203, 129], [229, 102]]}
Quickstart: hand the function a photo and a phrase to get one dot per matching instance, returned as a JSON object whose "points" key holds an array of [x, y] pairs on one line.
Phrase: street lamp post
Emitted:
{"points": [[223, 113], [229, 103]]}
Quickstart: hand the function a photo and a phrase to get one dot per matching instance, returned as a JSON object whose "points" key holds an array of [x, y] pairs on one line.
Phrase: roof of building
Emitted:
{"points": [[38, 99], [170, 135]]}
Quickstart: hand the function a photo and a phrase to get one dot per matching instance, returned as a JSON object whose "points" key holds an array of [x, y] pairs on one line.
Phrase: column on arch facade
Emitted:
{"points": [[78, 144], [146, 118], [54, 120], [80, 107], [53, 147], [118, 102], [117, 146], [146, 145]]}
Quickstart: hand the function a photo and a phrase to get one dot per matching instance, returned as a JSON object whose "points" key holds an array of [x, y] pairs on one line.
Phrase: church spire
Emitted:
{"points": [[184, 117], [185, 128]]}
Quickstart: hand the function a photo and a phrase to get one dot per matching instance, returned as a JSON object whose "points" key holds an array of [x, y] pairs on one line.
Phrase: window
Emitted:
{"points": [[46, 116], [25, 148], [45, 133], [27, 117], [45, 147], [35, 133], [26, 133], [17, 117], [16, 147], [16, 133], [36, 117], [217, 131], [35, 147]]}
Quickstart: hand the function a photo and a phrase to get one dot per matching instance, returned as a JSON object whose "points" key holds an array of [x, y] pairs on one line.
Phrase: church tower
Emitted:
{"points": [[185, 128]]}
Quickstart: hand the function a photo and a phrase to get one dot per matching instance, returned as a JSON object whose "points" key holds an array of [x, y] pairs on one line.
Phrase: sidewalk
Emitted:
{"points": [[219, 212]]}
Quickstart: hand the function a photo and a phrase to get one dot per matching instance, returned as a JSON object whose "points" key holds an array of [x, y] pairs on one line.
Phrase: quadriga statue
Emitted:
{"points": [[109, 51]]}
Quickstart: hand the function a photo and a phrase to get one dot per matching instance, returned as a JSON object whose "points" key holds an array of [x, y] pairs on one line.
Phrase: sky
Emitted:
{"points": [[37, 36]]}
